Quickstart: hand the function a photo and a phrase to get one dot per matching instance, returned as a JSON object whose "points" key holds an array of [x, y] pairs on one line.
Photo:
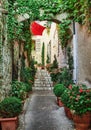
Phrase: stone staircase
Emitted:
{"points": [[42, 80]]}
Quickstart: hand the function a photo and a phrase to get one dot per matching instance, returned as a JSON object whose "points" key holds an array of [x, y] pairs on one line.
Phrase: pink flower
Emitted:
{"points": [[70, 96], [77, 98], [70, 86]]}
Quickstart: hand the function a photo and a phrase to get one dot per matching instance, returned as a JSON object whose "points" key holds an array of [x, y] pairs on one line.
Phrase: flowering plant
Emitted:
{"points": [[77, 98]]}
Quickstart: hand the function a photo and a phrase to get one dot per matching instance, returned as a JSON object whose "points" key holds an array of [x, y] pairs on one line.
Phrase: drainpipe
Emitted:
{"points": [[74, 54]]}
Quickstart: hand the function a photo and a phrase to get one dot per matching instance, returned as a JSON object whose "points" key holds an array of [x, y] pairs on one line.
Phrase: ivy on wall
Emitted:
{"points": [[64, 32], [78, 11]]}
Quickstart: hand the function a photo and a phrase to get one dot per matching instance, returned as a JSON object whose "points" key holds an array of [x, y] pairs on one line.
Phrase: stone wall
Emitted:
{"points": [[83, 53], [6, 64], [5, 58]]}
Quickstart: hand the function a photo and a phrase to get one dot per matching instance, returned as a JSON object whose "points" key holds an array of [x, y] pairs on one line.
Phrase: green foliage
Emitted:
{"points": [[58, 89], [65, 77], [28, 73], [55, 76], [55, 63], [78, 11], [20, 89], [10, 107], [51, 8], [43, 54], [33, 69], [26, 37], [75, 9], [64, 32], [65, 97], [70, 59], [48, 59], [77, 98]]}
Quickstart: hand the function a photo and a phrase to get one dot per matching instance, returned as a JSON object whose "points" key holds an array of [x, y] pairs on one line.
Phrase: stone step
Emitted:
{"points": [[47, 84], [43, 80], [44, 85], [42, 88]]}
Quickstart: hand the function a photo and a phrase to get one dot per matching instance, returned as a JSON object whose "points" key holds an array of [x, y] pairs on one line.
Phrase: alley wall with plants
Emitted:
{"points": [[18, 30]]}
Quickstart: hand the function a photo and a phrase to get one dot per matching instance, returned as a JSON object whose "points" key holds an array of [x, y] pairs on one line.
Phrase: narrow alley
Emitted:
{"points": [[41, 109], [45, 64]]}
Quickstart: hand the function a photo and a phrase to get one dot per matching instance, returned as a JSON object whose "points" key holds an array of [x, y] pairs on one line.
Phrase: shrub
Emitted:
{"points": [[20, 89], [58, 89], [65, 77], [77, 98], [55, 76], [10, 107]]}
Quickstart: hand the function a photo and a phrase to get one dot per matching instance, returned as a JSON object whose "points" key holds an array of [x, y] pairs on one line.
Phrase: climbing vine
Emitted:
{"points": [[79, 11], [64, 32]]}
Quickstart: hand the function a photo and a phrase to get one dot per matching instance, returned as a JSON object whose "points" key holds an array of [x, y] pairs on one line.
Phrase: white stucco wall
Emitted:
{"points": [[47, 38], [83, 53]]}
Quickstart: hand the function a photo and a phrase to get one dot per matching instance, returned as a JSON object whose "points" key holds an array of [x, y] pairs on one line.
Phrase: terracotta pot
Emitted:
{"points": [[68, 113], [9, 123], [59, 102], [82, 122]]}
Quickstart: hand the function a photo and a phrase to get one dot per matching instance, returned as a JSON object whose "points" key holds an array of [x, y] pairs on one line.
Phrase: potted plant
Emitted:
{"points": [[79, 102], [58, 90], [65, 99], [10, 108]]}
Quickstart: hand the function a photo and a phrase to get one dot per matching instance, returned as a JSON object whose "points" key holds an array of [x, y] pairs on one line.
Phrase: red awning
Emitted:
{"points": [[36, 28]]}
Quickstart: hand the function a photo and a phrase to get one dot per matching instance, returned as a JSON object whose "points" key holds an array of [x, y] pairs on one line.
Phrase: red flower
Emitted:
{"points": [[80, 90]]}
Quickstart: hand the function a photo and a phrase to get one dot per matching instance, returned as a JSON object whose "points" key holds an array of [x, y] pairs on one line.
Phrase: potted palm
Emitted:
{"points": [[10, 108], [58, 90]]}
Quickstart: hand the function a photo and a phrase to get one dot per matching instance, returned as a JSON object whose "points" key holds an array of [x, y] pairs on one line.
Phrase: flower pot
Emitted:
{"points": [[82, 122], [68, 113], [59, 102], [9, 123]]}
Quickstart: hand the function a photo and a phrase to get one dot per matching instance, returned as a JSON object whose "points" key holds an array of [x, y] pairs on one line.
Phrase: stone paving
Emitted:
{"points": [[42, 113], [40, 110]]}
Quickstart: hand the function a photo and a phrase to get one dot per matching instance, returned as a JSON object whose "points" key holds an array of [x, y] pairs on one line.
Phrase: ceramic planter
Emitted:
{"points": [[68, 113], [82, 122], [9, 123], [59, 102]]}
